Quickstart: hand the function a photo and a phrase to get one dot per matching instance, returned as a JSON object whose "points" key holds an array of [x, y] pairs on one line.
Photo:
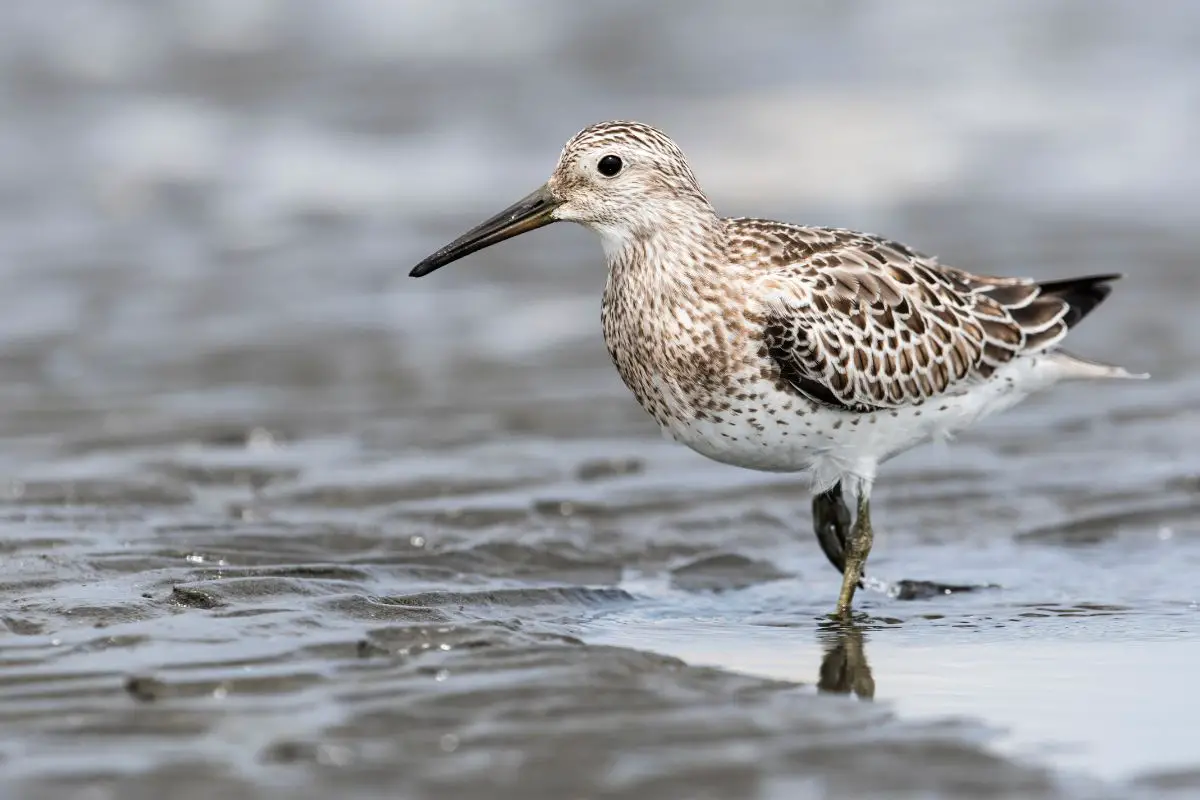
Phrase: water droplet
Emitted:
{"points": [[441, 675], [1165, 533], [443, 646], [194, 558], [417, 541], [221, 692], [449, 743]]}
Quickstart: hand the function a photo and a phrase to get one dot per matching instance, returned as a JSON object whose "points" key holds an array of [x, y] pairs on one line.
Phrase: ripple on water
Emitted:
{"points": [[275, 522]]}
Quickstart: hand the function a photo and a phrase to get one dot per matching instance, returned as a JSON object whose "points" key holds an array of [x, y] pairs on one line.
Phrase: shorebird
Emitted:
{"points": [[786, 348]]}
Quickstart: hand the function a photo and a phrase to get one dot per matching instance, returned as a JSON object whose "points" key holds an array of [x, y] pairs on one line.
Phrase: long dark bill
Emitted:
{"points": [[531, 211]]}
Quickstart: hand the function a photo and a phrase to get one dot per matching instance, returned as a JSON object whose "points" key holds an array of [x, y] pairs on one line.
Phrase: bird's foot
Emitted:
{"points": [[923, 590], [831, 524], [846, 544]]}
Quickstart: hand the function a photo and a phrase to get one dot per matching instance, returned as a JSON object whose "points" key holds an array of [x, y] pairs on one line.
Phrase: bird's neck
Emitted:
{"points": [[665, 261], [660, 292]]}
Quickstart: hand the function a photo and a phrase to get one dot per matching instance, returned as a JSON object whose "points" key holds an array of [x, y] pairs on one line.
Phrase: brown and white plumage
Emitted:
{"points": [[861, 323], [787, 348]]}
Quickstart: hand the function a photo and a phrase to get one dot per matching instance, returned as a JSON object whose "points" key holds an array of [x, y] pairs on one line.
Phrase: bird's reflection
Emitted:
{"points": [[844, 667]]}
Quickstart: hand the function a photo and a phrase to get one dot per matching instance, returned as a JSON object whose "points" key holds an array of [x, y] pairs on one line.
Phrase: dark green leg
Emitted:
{"points": [[832, 525], [857, 550]]}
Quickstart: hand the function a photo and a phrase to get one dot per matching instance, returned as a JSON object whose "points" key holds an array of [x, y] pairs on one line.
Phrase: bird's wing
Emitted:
{"points": [[861, 323]]}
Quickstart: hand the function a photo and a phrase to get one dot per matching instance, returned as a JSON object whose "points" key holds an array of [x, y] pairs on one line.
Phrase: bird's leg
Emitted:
{"points": [[831, 524], [857, 549]]}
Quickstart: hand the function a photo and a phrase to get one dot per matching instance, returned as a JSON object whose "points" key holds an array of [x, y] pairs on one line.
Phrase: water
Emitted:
{"points": [[276, 521]]}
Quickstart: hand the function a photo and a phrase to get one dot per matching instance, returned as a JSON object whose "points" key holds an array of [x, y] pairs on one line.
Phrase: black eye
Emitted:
{"points": [[609, 166]]}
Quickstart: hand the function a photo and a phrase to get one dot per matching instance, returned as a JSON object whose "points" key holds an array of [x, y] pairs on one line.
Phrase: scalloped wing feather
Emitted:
{"points": [[861, 323]]}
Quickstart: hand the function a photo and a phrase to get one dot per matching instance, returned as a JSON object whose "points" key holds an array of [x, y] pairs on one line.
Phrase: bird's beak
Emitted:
{"points": [[531, 211]]}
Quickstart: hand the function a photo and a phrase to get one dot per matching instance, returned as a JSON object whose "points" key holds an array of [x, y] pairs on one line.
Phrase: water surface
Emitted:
{"points": [[277, 522]]}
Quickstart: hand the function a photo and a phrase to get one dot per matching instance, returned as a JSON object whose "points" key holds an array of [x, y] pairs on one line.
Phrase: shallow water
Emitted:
{"points": [[276, 521]]}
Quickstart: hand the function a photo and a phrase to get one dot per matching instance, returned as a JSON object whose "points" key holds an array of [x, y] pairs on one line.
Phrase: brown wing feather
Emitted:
{"points": [[861, 323]]}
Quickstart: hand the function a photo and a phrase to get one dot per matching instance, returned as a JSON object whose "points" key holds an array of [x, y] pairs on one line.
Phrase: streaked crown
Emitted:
{"points": [[624, 178]]}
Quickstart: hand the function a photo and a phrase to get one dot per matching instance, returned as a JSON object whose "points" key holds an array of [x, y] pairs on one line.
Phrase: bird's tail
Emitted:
{"points": [[1074, 368], [1081, 295]]}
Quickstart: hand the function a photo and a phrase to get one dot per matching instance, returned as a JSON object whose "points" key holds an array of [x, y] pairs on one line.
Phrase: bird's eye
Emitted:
{"points": [[609, 166]]}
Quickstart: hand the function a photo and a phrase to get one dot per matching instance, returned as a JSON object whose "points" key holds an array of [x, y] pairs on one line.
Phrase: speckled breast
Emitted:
{"points": [[684, 357]]}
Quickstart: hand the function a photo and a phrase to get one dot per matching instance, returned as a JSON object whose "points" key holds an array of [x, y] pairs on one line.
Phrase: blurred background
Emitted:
{"points": [[211, 359], [209, 201]]}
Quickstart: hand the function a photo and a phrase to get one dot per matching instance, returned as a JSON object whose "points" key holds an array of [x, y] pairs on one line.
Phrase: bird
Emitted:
{"points": [[787, 348]]}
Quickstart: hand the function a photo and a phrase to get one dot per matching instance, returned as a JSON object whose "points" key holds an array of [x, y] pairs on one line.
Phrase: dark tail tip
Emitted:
{"points": [[1081, 294]]}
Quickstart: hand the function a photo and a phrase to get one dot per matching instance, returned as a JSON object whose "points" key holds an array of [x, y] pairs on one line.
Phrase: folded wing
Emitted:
{"points": [[861, 323]]}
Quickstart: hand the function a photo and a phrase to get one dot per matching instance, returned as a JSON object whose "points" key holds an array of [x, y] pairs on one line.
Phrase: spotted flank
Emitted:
{"points": [[786, 348]]}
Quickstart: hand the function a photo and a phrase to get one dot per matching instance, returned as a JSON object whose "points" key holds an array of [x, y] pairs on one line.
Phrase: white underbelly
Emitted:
{"points": [[778, 432]]}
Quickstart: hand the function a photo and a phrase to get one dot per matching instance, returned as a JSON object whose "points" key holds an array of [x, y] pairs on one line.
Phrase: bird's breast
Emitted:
{"points": [[676, 354]]}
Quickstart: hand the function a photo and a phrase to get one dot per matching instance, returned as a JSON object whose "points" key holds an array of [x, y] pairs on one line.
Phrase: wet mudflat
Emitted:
{"points": [[276, 522]]}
